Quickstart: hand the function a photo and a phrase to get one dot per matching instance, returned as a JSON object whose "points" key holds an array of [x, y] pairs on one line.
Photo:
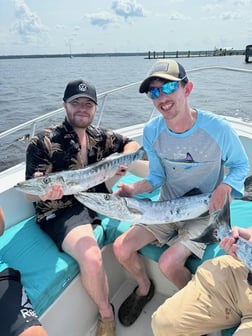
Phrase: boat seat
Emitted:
{"points": [[46, 271]]}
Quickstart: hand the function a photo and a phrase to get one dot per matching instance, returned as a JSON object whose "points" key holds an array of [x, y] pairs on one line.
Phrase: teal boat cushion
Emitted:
{"points": [[3, 265], [45, 271]]}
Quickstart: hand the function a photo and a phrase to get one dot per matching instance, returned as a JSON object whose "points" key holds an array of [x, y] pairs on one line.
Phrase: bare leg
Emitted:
{"points": [[125, 250], [172, 265], [80, 243]]}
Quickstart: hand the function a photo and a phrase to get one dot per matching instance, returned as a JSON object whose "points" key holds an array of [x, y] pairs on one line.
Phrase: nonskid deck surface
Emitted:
{"points": [[142, 326]]}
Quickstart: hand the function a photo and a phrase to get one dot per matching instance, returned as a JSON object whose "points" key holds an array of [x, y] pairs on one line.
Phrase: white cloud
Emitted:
{"points": [[101, 19], [230, 16], [49, 26], [127, 8], [28, 24], [120, 9]]}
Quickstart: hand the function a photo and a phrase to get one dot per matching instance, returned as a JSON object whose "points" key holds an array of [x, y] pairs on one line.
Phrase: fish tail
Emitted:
{"points": [[219, 219], [207, 236]]}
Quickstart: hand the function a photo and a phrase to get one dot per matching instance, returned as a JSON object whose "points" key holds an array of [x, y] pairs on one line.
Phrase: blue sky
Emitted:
{"points": [[82, 26]]}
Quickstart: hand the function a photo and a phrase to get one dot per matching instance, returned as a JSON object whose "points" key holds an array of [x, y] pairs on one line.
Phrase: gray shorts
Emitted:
{"points": [[180, 232], [63, 221]]}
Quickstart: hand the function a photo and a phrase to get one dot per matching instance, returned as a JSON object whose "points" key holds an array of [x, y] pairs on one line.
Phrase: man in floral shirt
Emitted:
{"points": [[75, 144]]}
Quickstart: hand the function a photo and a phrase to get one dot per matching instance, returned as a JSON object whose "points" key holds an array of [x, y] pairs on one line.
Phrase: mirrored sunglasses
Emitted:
{"points": [[167, 88]]}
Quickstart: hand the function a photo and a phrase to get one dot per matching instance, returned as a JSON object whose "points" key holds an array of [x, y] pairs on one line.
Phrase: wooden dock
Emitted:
{"points": [[190, 53]]}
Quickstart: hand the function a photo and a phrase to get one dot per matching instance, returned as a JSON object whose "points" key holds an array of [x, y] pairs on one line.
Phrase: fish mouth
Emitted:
{"points": [[29, 189]]}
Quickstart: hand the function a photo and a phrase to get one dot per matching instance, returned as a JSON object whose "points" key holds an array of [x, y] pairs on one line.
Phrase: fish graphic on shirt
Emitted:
{"points": [[188, 162]]}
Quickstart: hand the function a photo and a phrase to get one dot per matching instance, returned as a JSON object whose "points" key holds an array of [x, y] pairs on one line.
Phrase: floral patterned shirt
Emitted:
{"points": [[59, 149]]}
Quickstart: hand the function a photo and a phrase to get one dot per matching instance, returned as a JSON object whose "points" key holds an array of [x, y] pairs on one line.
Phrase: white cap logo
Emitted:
{"points": [[82, 87]]}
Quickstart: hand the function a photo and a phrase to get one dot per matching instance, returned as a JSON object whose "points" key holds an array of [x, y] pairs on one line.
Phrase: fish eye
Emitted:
{"points": [[107, 197], [46, 180]]}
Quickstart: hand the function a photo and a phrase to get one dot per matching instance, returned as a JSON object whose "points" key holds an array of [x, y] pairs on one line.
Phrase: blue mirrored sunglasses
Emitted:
{"points": [[167, 88]]}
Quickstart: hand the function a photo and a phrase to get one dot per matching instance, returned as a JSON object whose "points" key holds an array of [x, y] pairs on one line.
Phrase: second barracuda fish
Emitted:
{"points": [[145, 211], [152, 212]]}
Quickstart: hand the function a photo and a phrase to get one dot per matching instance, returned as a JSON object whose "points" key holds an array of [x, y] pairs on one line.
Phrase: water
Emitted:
{"points": [[31, 87]]}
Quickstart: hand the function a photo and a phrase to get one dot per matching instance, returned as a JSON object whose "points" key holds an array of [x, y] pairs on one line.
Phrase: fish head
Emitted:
{"points": [[39, 185], [110, 205], [100, 202], [219, 225]]}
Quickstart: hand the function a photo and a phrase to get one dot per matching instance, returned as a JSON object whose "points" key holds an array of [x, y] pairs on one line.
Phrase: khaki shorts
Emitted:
{"points": [[180, 232], [218, 297]]}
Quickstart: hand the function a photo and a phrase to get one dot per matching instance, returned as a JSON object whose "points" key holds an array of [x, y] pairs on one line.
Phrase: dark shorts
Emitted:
{"points": [[16, 310], [63, 221]]}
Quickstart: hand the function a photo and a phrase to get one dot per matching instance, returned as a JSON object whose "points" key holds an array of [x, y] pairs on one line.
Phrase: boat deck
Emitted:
{"points": [[142, 326]]}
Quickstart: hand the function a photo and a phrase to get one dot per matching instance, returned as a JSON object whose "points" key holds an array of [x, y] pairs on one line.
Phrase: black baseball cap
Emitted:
{"points": [[79, 88]]}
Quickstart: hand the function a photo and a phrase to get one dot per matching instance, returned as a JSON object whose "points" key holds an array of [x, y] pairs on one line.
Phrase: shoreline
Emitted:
{"points": [[147, 55]]}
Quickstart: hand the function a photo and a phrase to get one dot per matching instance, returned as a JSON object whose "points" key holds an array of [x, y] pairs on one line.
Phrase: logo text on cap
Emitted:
{"points": [[160, 67], [82, 87]]}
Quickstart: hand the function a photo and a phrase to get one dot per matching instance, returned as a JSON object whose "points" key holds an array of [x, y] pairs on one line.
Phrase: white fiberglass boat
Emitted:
{"points": [[51, 278]]}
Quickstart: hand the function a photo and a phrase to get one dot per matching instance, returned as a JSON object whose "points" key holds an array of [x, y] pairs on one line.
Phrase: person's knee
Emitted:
{"points": [[164, 265], [120, 249], [91, 261], [167, 265]]}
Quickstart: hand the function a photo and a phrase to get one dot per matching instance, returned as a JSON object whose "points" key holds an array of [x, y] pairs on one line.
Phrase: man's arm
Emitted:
{"points": [[131, 146]]}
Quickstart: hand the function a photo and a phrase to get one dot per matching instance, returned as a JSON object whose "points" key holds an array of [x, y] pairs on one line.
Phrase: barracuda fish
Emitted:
{"points": [[77, 180], [219, 228], [145, 211]]}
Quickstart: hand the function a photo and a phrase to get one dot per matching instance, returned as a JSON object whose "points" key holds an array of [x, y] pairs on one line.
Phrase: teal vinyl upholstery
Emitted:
{"points": [[46, 271]]}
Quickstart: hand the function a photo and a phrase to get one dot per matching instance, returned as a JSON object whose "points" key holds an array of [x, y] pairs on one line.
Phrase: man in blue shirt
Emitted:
{"points": [[188, 150]]}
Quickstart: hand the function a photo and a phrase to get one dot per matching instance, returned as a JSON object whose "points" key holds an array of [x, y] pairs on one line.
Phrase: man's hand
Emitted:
{"points": [[219, 196], [55, 193], [122, 170], [125, 190], [229, 243]]}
